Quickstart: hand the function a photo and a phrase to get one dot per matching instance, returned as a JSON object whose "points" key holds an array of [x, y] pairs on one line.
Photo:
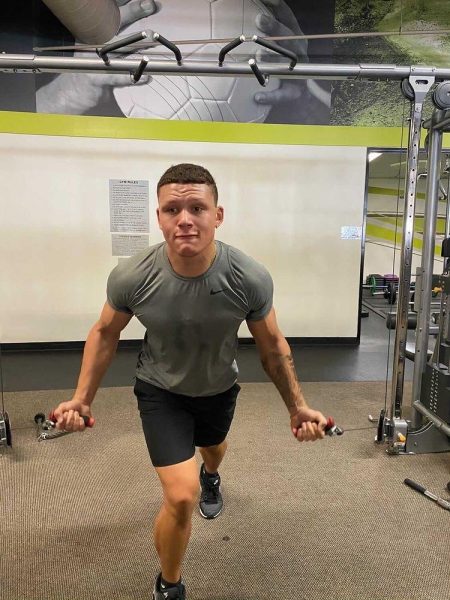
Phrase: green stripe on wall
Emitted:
{"points": [[251, 133], [418, 222], [380, 191], [383, 191], [387, 235]]}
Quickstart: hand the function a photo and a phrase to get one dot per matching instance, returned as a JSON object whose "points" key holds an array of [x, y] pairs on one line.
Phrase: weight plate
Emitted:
{"points": [[392, 293], [2, 429], [445, 251], [391, 320], [407, 89], [376, 275], [8, 430], [441, 95], [380, 427]]}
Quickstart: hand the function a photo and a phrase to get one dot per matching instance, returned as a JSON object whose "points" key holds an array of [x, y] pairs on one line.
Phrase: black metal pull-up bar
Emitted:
{"points": [[120, 43]]}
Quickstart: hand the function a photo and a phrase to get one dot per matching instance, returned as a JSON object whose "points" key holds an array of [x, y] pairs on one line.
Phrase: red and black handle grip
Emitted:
{"points": [[88, 421], [331, 428]]}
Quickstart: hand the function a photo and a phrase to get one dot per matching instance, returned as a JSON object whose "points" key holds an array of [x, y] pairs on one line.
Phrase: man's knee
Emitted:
{"points": [[181, 489], [180, 501]]}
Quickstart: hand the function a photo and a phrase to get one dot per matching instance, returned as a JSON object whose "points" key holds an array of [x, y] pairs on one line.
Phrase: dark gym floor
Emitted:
{"points": [[369, 361]]}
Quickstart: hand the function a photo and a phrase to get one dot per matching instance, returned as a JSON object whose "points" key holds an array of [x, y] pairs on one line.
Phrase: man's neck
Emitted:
{"points": [[192, 266]]}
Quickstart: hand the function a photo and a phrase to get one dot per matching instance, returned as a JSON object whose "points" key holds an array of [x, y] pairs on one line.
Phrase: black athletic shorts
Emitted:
{"points": [[174, 424]]}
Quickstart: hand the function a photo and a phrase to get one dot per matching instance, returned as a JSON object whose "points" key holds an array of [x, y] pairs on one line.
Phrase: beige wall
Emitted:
{"points": [[284, 205]]}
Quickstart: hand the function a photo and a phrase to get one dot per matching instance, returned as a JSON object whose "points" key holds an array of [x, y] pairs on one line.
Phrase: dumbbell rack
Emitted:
{"points": [[383, 285]]}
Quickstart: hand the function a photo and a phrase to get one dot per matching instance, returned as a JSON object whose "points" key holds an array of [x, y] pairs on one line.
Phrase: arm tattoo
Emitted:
{"points": [[281, 370]]}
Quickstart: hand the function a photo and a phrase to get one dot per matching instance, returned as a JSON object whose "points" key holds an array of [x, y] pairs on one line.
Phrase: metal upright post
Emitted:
{"points": [[447, 215], [427, 264], [432, 398], [416, 92]]}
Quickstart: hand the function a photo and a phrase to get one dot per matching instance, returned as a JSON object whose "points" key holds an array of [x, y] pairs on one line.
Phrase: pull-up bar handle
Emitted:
{"points": [[258, 73], [140, 70], [278, 49], [170, 45], [120, 43], [230, 46]]}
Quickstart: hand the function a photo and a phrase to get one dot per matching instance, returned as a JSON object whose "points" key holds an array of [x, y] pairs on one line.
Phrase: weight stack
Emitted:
{"points": [[436, 392]]}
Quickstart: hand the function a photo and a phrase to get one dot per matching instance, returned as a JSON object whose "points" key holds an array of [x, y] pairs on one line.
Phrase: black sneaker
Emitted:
{"points": [[211, 502], [177, 592]]}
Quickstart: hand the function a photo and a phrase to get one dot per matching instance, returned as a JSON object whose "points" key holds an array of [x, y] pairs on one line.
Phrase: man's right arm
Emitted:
{"points": [[99, 350]]}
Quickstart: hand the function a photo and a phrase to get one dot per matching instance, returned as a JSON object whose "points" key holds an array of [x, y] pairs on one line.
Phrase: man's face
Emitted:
{"points": [[188, 217]]}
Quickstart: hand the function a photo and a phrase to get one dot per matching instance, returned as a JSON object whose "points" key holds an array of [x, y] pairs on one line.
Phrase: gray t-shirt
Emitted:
{"points": [[192, 322]]}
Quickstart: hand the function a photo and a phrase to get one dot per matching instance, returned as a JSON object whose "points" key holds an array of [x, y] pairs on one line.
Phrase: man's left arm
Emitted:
{"points": [[276, 358]]}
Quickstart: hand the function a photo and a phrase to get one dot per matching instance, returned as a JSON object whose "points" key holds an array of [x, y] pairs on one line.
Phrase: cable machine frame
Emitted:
{"points": [[403, 436]]}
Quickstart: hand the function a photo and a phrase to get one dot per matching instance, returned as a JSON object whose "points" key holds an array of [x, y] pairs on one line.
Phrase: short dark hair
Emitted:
{"points": [[188, 173]]}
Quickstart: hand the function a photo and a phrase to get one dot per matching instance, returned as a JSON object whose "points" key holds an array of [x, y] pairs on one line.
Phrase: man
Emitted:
{"points": [[191, 293]]}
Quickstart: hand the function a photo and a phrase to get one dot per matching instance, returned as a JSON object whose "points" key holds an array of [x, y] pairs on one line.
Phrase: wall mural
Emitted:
{"points": [[228, 99]]}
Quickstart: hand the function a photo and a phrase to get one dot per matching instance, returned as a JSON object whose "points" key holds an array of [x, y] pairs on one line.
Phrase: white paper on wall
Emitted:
{"points": [[128, 205], [351, 232], [127, 245]]}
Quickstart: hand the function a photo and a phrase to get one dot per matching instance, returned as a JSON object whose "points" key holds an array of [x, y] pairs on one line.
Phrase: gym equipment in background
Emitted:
{"points": [[427, 428], [382, 285]]}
